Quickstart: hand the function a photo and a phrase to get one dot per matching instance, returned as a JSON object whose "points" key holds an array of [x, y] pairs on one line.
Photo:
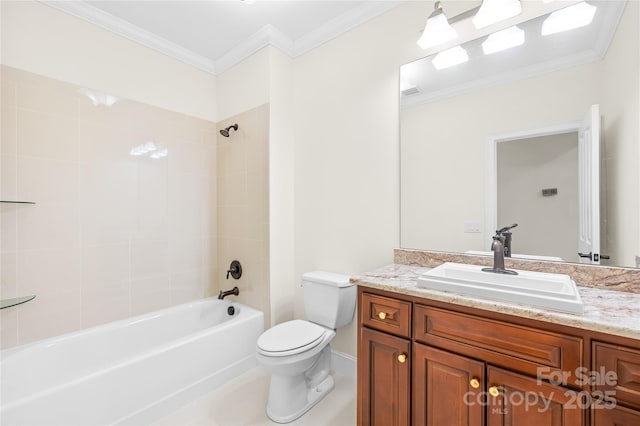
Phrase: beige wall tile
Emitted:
{"points": [[48, 225], [108, 201], [9, 177], [45, 180], [8, 89], [9, 224], [105, 310], [107, 269], [111, 235], [49, 316], [150, 294], [242, 211], [48, 96], [51, 274], [8, 275], [9, 131], [149, 259], [99, 142], [9, 327], [47, 135]]}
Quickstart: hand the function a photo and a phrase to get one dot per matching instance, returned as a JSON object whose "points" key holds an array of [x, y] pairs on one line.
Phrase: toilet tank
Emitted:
{"points": [[329, 298]]}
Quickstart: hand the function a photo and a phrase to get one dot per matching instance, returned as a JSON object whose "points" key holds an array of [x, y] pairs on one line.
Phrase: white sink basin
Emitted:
{"points": [[552, 291]]}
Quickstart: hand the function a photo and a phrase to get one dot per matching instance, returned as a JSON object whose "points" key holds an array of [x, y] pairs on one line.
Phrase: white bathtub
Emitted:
{"points": [[131, 371]]}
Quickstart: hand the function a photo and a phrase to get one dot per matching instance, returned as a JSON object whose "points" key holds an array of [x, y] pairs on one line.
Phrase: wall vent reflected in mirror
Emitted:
{"points": [[549, 192]]}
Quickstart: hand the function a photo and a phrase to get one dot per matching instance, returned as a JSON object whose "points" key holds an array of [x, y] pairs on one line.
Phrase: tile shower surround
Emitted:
{"points": [[243, 206], [111, 235]]}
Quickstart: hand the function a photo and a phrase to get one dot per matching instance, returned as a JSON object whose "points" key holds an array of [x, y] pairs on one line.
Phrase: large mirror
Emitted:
{"points": [[482, 139]]}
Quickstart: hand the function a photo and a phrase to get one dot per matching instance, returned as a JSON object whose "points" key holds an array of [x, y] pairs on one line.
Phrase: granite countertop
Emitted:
{"points": [[605, 311]]}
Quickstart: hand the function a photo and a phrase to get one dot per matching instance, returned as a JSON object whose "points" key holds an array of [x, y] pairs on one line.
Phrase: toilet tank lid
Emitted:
{"points": [[338, 280]]}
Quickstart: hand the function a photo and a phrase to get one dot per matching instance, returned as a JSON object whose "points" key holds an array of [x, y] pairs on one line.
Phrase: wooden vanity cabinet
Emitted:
{"points": [[385, 379], [523, 401], [622, 364], [442, 382], [618, 416], [433, 363]]}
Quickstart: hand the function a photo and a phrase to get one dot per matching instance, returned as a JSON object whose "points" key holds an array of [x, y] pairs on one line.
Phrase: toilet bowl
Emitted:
{"points": [[297, 353], [300, 368]]}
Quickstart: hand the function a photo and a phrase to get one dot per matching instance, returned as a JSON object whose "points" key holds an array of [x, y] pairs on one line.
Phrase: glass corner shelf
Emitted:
{"points": [[16, 202], [7, 303]]}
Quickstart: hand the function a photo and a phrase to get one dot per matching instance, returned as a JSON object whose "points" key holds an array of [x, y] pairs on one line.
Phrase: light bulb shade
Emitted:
{"points": [[493, 11], [503, 40], [576, 16], [437, 31], [450, 57]]}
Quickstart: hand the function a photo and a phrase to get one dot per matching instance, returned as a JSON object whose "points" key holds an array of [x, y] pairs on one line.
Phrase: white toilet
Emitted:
{"points": [[297, 353]]}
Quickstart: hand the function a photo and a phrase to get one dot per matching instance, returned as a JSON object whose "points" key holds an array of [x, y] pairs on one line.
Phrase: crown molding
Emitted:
{"points": [[266, 36], [125, 29]]}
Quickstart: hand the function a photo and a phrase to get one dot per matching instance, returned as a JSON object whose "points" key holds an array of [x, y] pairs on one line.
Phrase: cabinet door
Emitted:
{"points": [[447, 389], [383, 379], [523, 401], [618, 416]]}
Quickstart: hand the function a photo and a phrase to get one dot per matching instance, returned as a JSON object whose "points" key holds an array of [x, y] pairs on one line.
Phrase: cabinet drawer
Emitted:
{"points": [[529, 350], [386, 314], [625, 363]]}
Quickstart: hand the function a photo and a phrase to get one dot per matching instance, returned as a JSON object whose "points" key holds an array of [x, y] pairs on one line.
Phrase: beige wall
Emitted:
{"points": [[621, 134], [46, 41], [111, 234], [243, 207], [244, 86], [281, 189], [346, 150]]}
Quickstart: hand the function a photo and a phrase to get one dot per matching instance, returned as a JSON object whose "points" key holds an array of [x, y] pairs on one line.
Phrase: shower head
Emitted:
{"points": [[225, 132]]}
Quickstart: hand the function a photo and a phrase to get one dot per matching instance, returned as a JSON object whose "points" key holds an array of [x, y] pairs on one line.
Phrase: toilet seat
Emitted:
{"points": [[290, 338]]}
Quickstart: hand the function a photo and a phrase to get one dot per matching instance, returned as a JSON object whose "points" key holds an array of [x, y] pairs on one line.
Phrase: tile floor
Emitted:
{"points": [[242, 402]]}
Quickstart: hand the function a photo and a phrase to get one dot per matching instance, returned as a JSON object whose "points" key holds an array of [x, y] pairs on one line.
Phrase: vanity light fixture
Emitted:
{"points": [[503, 40], [494, 11], [450, 57], [437, 29], [576, 16]]}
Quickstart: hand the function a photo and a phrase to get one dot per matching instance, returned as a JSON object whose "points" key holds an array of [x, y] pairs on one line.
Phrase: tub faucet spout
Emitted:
{"points": [[235, 291]]}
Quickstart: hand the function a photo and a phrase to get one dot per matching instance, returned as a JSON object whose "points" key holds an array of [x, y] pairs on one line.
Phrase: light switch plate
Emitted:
{"points": [[472, 227]]}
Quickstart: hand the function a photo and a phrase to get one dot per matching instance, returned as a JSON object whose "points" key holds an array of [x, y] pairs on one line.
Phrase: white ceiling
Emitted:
{"points": [[216, 34]]}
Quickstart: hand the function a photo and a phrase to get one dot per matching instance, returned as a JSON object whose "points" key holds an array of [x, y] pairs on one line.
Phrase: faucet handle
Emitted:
{"points": [[235, 269], [506, 228]]}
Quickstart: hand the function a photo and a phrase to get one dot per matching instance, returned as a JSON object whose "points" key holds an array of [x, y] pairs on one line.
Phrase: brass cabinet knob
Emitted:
{"points": [[475, 383], [382, 315], [402, 358], [494, 391]]}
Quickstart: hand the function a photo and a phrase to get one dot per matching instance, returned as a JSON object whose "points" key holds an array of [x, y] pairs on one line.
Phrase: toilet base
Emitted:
{"points": [[313, 396]]}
